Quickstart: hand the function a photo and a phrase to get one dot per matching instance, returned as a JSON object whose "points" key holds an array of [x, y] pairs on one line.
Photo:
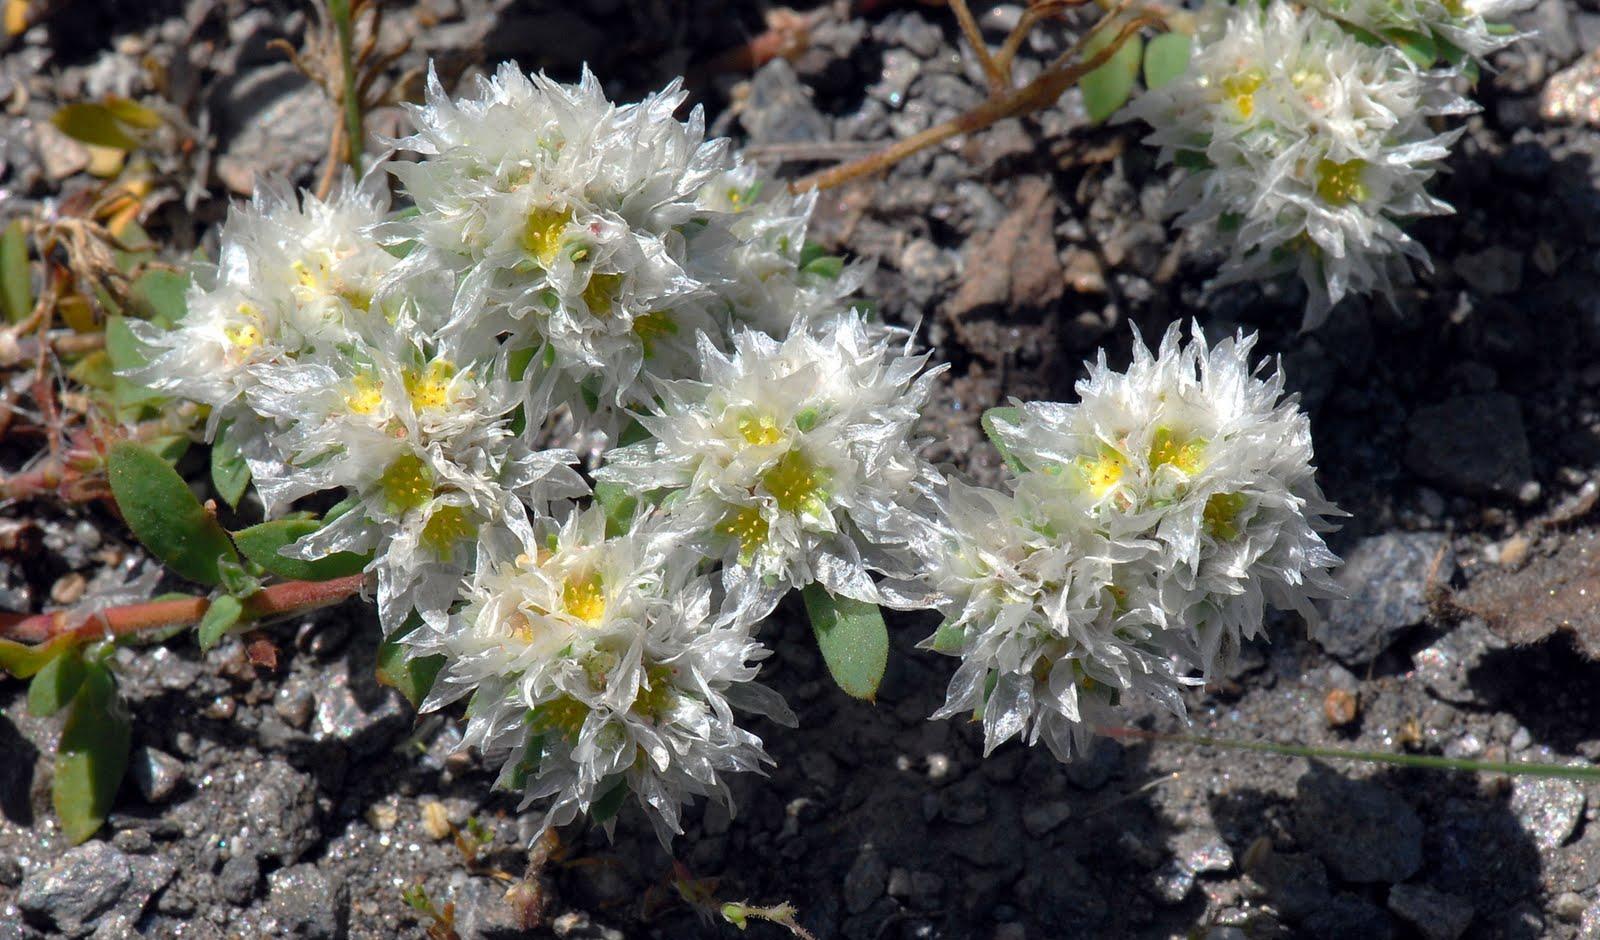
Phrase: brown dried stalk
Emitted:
{"points": [[279, 600], [1005, 101]]}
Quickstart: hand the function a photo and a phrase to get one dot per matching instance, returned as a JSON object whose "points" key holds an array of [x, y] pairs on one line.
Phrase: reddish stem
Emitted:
{"points": [[290, 597]]}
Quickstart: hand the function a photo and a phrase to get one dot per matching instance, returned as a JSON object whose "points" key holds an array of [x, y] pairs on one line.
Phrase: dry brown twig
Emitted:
{"points": [[1005, 98]]}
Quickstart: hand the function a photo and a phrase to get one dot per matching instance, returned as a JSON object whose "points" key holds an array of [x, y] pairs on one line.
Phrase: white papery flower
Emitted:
{"points": [[1308, 148], [1052, 621], [793, 462], [420, 434], [1208, 464], [296, 275], [593, 662], [1467, 25], [565, 219], [759, 263]]}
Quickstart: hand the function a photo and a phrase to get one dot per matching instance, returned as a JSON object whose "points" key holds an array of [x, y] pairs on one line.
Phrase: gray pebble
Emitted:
{"points": [[237, 881], [1386, 580], [1548, 809], [155, 774], [281, 814], [308, 902], [865, 882]]}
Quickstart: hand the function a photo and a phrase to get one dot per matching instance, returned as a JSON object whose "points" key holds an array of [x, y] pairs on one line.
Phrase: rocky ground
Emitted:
{"points": [[1460, 428]]}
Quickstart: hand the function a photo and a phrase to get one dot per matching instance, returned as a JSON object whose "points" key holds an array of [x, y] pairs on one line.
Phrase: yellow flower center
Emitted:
{"points": [[793, 482], [600, 294], [366, 395], [1339, 184], [1102, 473], [407, 484], [1240, 91], [748, 526], [1221, 516], [564, 714], [584, 598], [760, 430], [430, 388], [651, 327], [542, 233], [447, 526], [1169, 449], [244, 337]]}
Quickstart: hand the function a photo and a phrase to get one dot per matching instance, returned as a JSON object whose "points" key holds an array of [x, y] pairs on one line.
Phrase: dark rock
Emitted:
{"points": [[308, 902], [778, 109], [1293, 882], [154, 773], [281, 814], [1363, 832], [1386, 580], [237, 881], [1349, 916], [93, 887], [1090, 771], [865, 882], [1040, 818], [274, 120], [964, 803], [1434, 914], [1472, 444]]}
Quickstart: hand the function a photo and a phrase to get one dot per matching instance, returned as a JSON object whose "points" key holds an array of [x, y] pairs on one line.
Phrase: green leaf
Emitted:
{"points": [[235, 580], [158, 295], [828, 267], [24, 660], [1106, 89], [1165, 58], [1418, 47], [412, 678], [93, 370], [853, 640], [92, 757], [620, 505], [16, 276], [604, 809], [93, 124], [1006, 415], [133, 113], [165, 516], [169, 447], [54, 686], [263, 543], [219, 618], [230, 474]]}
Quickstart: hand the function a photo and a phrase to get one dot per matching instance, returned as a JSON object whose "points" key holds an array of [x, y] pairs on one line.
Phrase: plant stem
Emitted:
{"points": [[290, 597], [1423, 761], [340, 11], [1037, 94]]}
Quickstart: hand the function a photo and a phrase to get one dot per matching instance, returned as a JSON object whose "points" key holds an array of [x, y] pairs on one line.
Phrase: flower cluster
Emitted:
{"points": [[574, 272], [1307, 134], [1143, 533]]}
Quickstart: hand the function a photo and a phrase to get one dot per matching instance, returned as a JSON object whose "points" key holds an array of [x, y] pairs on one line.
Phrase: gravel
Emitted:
{"points": [[1385, 581]]}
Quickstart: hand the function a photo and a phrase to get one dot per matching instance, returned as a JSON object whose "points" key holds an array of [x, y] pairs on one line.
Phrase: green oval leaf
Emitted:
{"points": [[853, 640], [16, 277], [219, 618], [1107, 88], [1005, 415], [25, 659], [605, 809], [230, 474], [262, 544], [93, 124], [165, 516], [92, 756], [1418, 47], [1165, 58], [54, 686], [412, 678], [160, 296]]}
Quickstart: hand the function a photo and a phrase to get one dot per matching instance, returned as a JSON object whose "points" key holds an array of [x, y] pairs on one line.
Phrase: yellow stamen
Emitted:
{"points": [[430, 388], [1241, 90], [1169, 449], [600, 294], [542, 234], [1103, 472], [748, 526], [407, 484], [760, 431], [584, 598], [245, 336], [447, 526], [1221, 516], [366, 395], [793, 482], [1339, 184]]}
